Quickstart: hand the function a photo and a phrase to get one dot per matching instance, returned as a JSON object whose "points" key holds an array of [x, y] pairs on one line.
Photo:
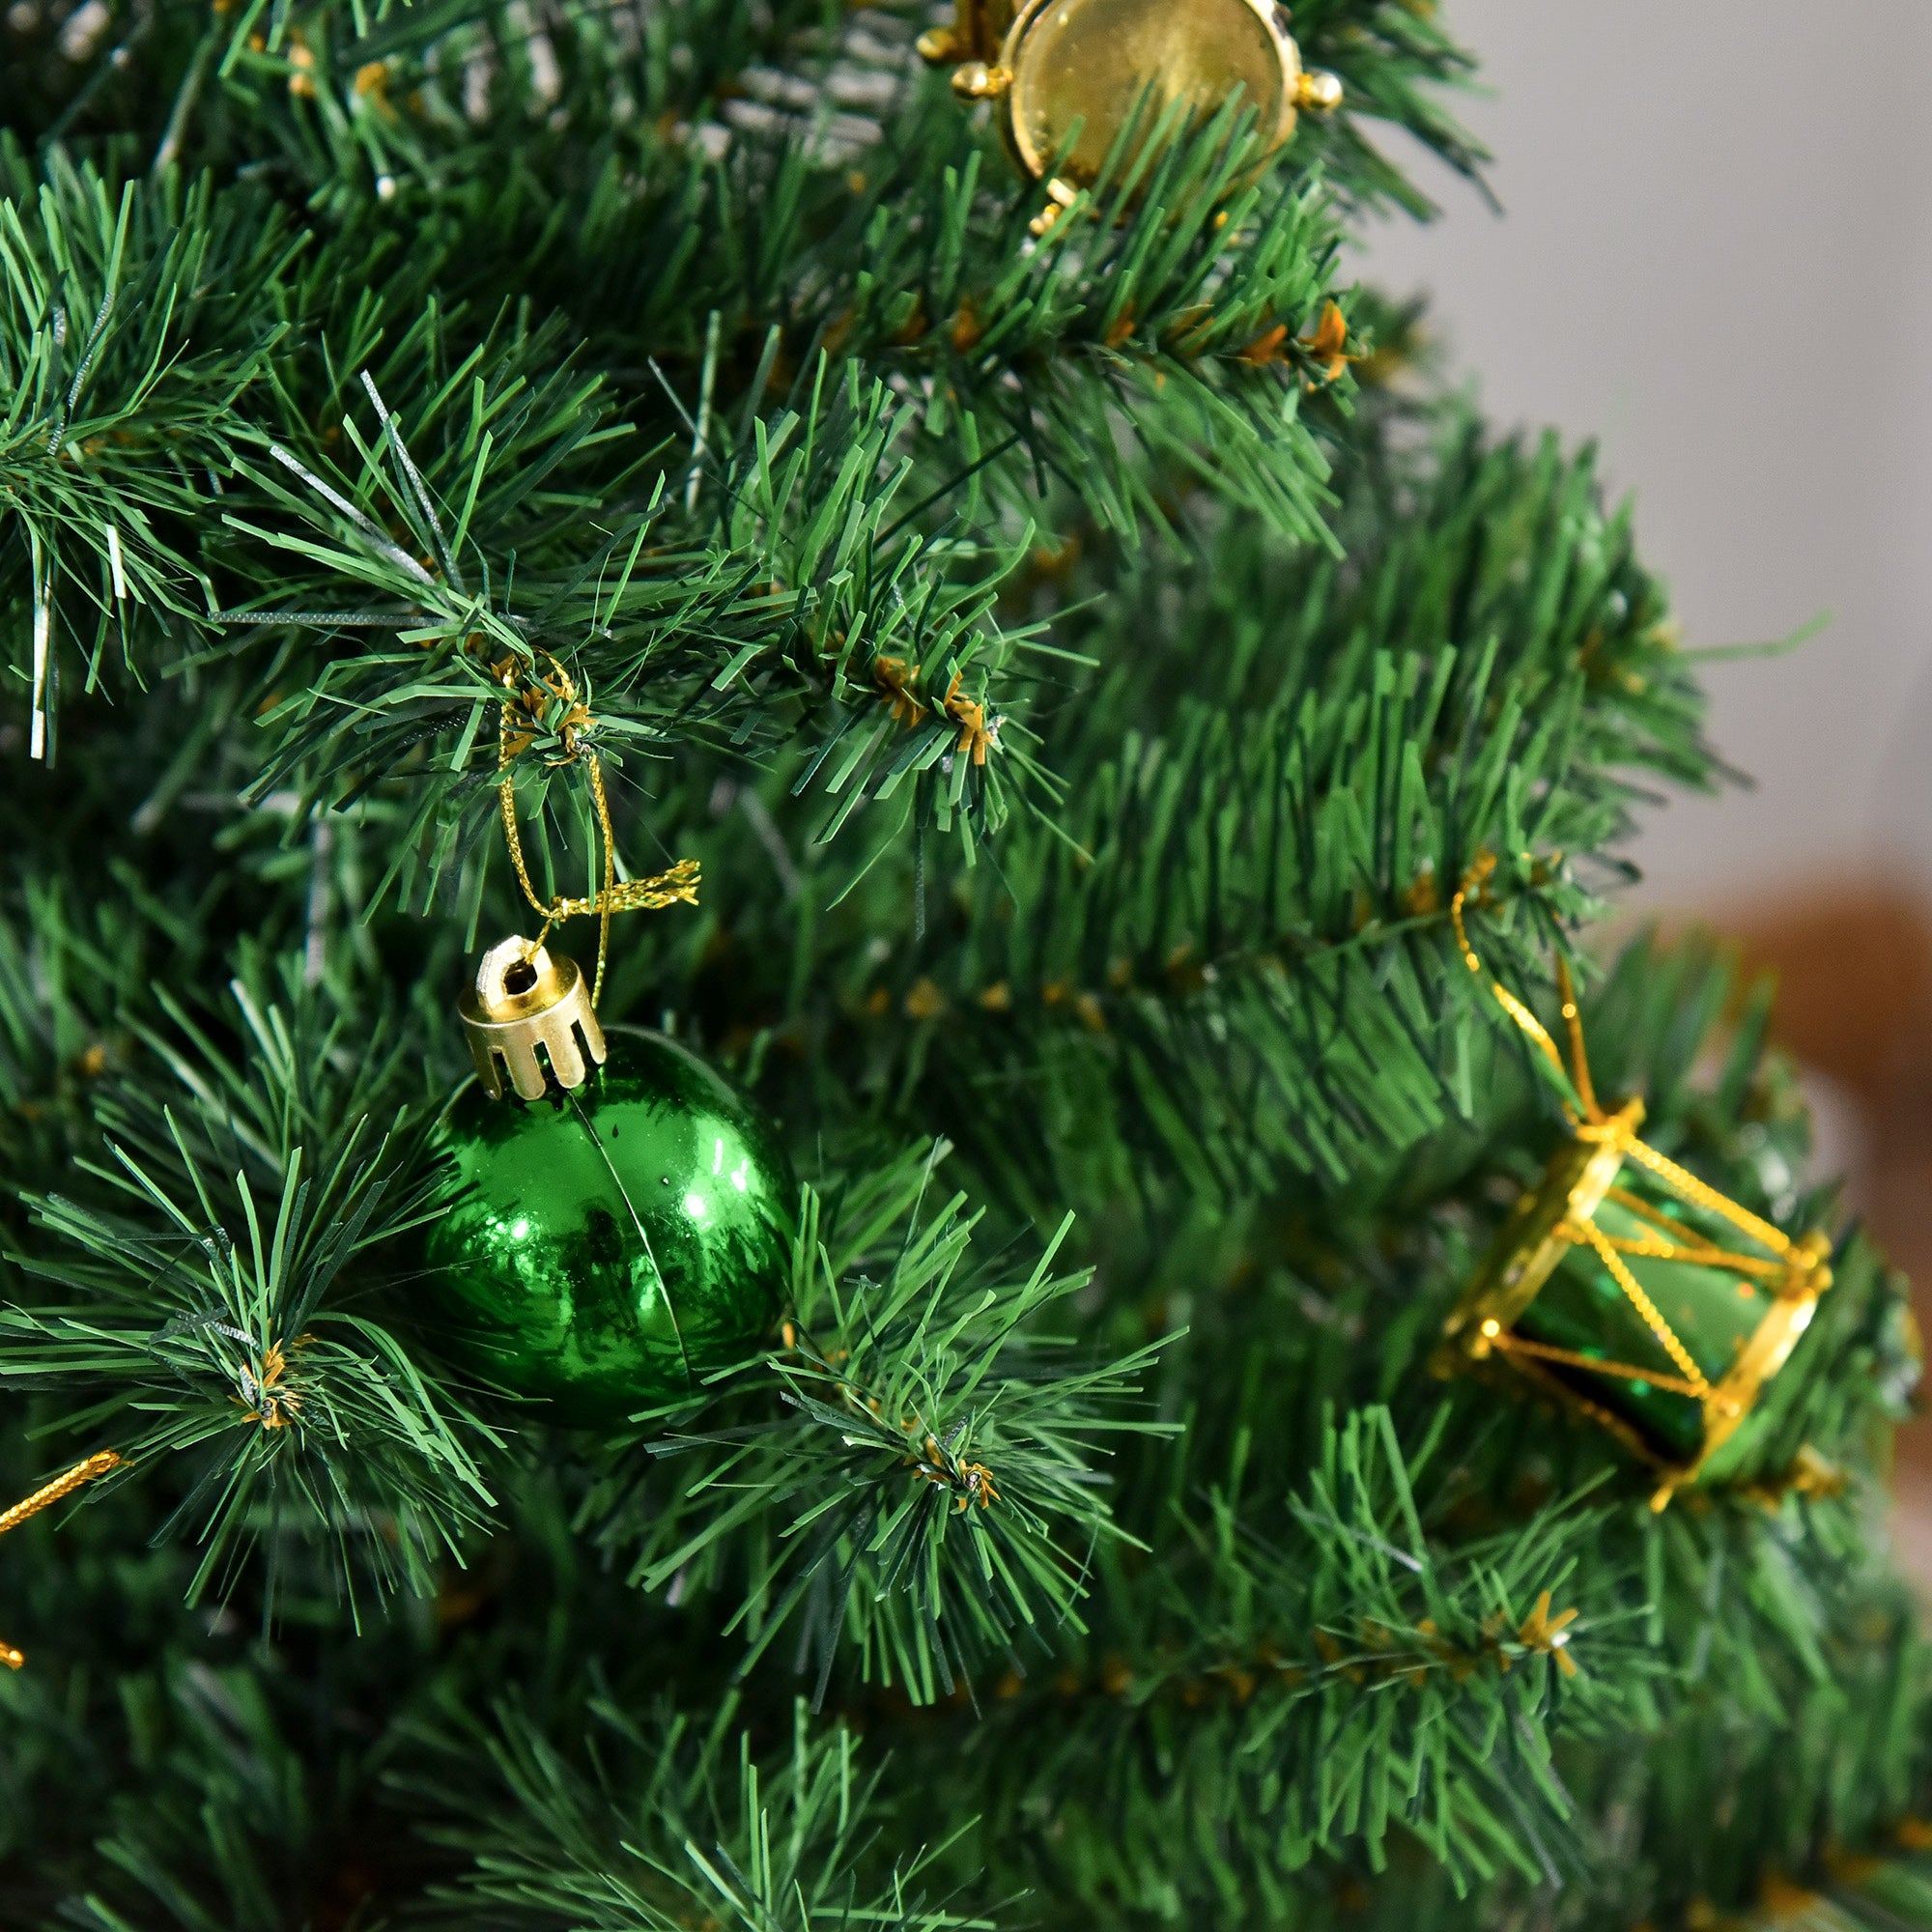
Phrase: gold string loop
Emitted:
{"points": [[545, 705], [1474, 880], [44, 1498]]}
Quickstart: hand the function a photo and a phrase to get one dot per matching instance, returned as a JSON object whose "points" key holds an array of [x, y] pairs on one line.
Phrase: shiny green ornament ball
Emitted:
{"points": [[605, 1247]]}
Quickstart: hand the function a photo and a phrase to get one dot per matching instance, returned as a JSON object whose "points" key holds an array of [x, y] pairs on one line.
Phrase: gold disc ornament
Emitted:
{"points": [[1067, 75]]}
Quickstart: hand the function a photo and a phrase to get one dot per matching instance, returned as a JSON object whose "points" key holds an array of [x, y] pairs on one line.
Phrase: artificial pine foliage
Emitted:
{"points": [[1085, 665]]}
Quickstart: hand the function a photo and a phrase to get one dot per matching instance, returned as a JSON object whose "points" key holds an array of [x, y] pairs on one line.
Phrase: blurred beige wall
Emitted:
{"points": [[1715, 256]]}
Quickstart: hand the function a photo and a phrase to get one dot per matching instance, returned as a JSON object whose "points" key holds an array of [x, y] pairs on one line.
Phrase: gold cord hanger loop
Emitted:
{"points": [[44, 1498], [1473, 881], [529, 710]]}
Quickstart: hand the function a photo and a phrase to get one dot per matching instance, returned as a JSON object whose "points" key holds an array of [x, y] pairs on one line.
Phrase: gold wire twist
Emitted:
{"points": [[1697, 1249], [679, 885], [44, 1498], [1575, 1358], [1646, 1308], [1596, 1125], [1682, 1180]]}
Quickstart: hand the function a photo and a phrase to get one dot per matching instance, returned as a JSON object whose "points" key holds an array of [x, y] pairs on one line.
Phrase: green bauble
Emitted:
{"points": [[607, 1247]]}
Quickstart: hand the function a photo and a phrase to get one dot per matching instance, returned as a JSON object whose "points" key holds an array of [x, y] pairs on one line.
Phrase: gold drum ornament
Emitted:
{"points": [[1626, 1284], [1642, 1297]]}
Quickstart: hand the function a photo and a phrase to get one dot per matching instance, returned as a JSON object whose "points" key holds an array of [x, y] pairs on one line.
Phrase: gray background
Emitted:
{"points": [[1715, 257]]}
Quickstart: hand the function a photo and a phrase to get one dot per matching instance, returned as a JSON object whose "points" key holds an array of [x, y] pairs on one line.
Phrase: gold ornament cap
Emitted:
{"points": [[524, 998]]}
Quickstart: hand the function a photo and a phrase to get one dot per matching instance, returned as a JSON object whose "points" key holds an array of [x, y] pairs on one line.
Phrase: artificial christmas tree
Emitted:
{"points": [[469, 468]]}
